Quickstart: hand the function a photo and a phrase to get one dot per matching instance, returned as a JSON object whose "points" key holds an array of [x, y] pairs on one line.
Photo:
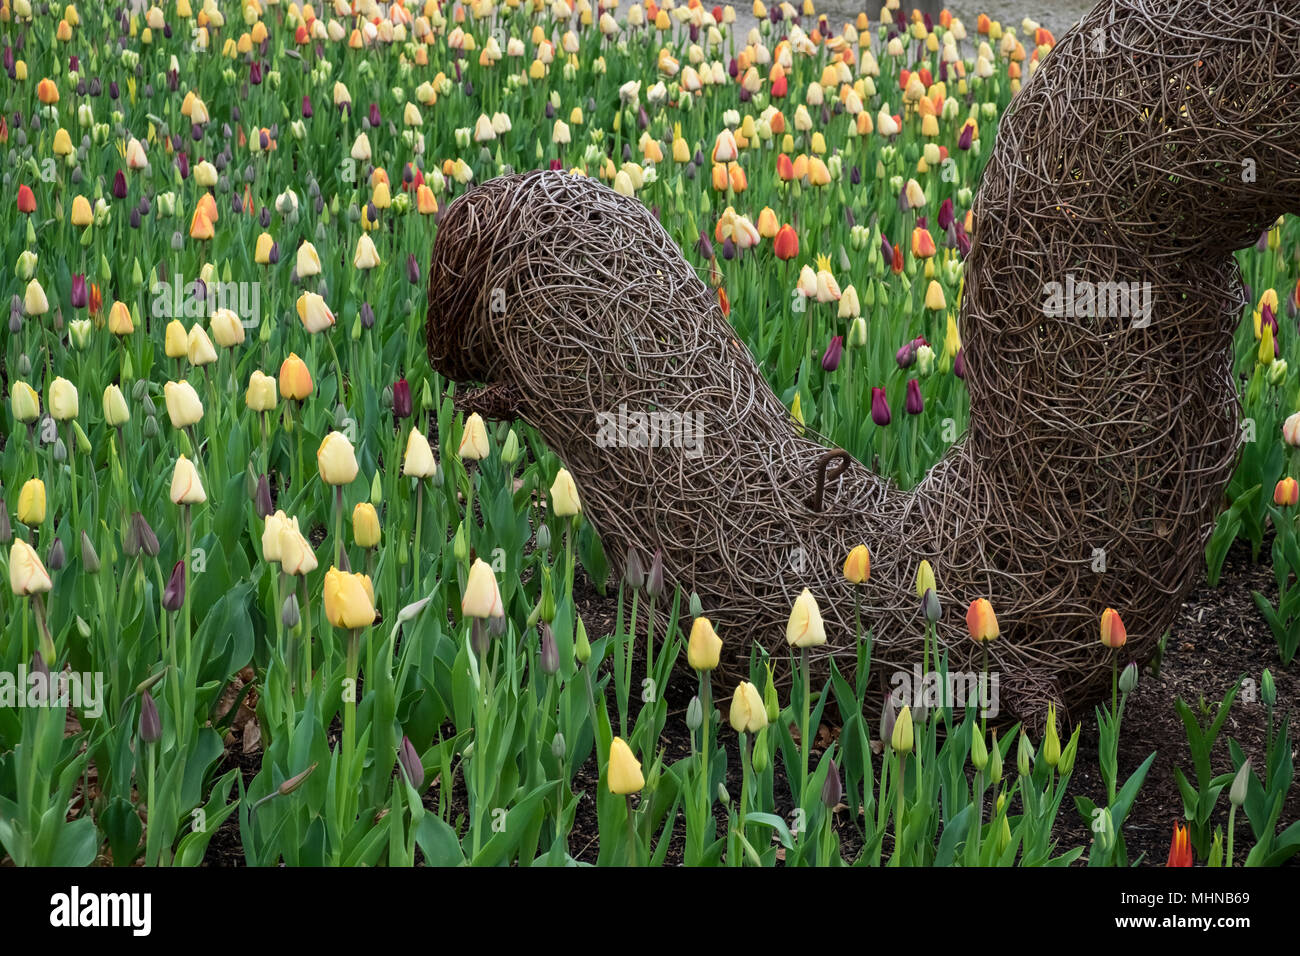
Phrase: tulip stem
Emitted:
{"points": [[744, 798], [349, 723], [1114, 680], [187, 519], [803, 726], [338, 525], [304, 622], [706, 725], [72, 471], [898, 814], [419, 517], [632, 854]]}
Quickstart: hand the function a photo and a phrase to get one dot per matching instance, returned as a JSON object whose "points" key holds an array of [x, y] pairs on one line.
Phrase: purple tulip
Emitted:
{"points": [[733, 68], [174, 593], [79, 296], [834, 352], [119, 185], [255, 73], [945, 214], [704, 246], [959, 364], [412, 269], [880, 407], [966, 137], [728, 249], [402, 399], [374, 116], [886, 250], [409, 760], [906, 355], [914, 403], [150, 722], [306, 107]]}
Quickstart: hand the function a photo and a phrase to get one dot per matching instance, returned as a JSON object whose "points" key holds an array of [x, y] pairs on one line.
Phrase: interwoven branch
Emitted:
{"points": [[1120, 161]]}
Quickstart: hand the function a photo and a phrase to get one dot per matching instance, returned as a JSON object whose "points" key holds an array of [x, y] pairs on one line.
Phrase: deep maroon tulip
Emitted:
{"points": [[150, 722], [255, 73], [374, 116], [306, 107], [556, 165], [945, 214], [402, 399], [886, 250], [879, 407], [959, 364], [834, 351], [79, 297], [367, 316], [119, 185], [174, 593], [409, 760], [966, 137], [262, 497], [412, 269], [733, 68], [914, 403]]}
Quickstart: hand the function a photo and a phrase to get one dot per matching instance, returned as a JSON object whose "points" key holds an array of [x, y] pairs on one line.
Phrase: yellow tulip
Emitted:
{"points": [[474, 441], [296, 555], [365, 525], [260, 396], [187, 488], [857, 566], [902, 738], [271, 534], [805, 628], [34, 299], [704, 647], [564, 495], [24, 402], [314, 313], [82, 215], [64, 403], [116, 413], [748, 714], [349, 599], [262, 249], [624, 771], [482, 597], [200, 350], [308, 261], [924, 579], [336, 460], [176, 341], [183, 405], [227, 330], [119, 319], [27, 575], [419, 461], [31, 503], [366, 256]]}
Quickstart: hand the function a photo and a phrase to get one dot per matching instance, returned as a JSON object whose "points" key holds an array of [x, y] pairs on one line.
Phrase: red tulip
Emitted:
{"points": [[26, 200], [786, 242], [1113, 634]]}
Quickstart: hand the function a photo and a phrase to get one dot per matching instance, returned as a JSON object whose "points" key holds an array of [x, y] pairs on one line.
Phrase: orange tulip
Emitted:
{"points": [[1287, 493], [981, 621], [786, 243], [1113, 634], [922, 243], [785, 169], [1180, 847], [295, 378]]}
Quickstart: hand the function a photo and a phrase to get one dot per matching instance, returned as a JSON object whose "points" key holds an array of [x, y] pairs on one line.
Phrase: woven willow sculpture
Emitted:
{"points": [[1157, 137]]}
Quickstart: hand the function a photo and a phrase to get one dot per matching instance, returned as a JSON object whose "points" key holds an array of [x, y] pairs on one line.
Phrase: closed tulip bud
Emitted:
{"points": [[748, 715], [474, 440], [805, 627], [290, 613], [1128, 678], [1068, 754], [1291, 430], [549, 657], [183, 405], [199, 348], [564, 495], [901, 740], [150, 727], [64, 404], [880, 408], [187, 488], [176, 341], [760, 756], [694, 714], [57, 557], [832, 789], [979, 754], [995, 760], [1024, 755], [771, 703], [633, 570], [1267, 688], [419, 461], [623, 773], [981, 621], [365, 525], [1240, 785], [260, 395], [408, 758], [857, 566], [296, 555], [654, 579], [146, 541], [31, 503], [510, 449], [89, 559], [930, 606], [349, 599], [24, 402], [1051, 742], [336, 461], [482, 597], [27, 575], [173, 598], [704, 647], [581, 646], [1113, 634]]}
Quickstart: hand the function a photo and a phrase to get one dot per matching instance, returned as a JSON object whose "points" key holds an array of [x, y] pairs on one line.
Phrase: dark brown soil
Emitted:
{"points": [[1217, 637]]}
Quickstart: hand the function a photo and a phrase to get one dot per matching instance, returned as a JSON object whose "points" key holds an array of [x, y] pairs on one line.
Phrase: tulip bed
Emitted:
{"points": [[294, 597]]}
